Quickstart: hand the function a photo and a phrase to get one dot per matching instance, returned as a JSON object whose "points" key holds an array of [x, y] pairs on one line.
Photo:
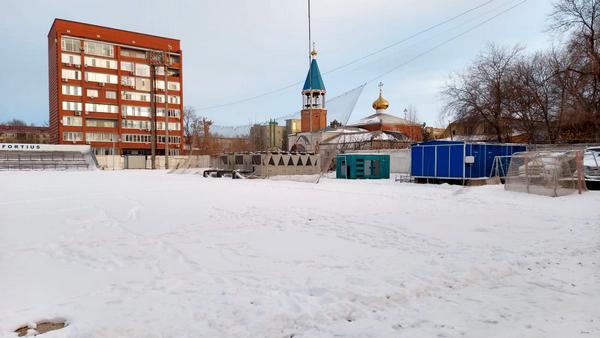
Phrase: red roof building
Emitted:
{"points": [[24, 134], [107, 86]]}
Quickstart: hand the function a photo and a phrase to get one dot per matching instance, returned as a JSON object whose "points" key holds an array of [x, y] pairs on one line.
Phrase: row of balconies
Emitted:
{"points": [[79, 113], [103, 84]]}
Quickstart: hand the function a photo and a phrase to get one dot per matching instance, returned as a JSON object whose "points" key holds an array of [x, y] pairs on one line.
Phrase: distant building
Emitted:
{"points": [[435, 133], [267, 137], [232, 144], [293, 126], [217, 144], [481, 130], [24, 134], [105, 84]]}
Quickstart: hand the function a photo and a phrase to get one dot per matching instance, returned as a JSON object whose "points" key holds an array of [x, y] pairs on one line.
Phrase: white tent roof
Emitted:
{"points": [[381, 118]]}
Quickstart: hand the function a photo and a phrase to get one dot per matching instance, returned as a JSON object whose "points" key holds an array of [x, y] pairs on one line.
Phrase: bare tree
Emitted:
{"points": [[535, 97], [481, 93], [16, 122], [207, 144], [189, 117], [581, 19], [410, 114]]}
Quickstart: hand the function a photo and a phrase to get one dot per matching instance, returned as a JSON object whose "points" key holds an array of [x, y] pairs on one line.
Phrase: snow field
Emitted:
{"points": [[151, 254]]}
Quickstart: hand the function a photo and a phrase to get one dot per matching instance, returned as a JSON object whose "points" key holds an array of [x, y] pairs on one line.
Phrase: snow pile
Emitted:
{"points": [[147, 254]]}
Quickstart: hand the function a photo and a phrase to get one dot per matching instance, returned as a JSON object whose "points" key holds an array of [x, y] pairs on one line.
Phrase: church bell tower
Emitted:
{"points": [[313, 114]]}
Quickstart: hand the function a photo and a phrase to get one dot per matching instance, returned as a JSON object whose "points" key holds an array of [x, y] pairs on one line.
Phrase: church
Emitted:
{"points": [[384, 122], [313, 116], [377, 131]]}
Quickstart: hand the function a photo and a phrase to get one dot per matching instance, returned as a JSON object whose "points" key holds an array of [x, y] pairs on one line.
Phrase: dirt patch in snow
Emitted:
{"points": [[41, 327]]}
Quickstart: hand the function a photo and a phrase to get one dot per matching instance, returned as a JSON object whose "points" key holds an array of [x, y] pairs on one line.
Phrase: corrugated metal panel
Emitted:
{"points": [[446, 159], [363, 166]]}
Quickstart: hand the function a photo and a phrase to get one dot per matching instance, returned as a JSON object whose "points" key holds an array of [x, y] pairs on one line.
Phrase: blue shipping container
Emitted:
{"points": [[460, 160]]}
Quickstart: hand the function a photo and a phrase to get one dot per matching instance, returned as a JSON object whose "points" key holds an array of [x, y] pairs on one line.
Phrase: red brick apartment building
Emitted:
{"points": [[102, 91]]}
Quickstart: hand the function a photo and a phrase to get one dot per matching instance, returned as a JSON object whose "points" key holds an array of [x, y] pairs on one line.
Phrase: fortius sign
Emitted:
{"points": [[43, 147], [11, 146]]}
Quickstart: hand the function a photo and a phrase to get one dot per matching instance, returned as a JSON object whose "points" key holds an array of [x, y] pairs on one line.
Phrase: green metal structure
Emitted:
{"points": [[362, 166]]}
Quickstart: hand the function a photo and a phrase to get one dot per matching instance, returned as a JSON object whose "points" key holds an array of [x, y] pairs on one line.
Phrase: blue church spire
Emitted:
{"points": [[314, 81]]}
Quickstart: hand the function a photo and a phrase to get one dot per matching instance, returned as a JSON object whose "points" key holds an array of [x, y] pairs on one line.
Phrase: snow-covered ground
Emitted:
{"points": [[151, 254]]}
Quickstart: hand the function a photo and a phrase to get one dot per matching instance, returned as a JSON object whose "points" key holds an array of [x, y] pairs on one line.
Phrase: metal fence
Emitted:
{"points": [[547, 173], [54, 160]]}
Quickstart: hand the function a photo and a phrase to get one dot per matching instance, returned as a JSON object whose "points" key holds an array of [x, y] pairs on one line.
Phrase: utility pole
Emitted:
{"points": [[166, 59], [310, 97], [155, 59]]}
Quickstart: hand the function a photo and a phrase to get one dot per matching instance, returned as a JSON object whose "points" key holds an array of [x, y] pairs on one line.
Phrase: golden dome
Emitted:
{"points": [[380, 103]]}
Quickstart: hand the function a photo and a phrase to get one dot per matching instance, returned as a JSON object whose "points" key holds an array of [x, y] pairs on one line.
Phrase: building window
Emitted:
{"points": [[134, 96], [142, 70], [70, 45], [72, 121], [110, 95], [101, 108], [133, 53], [172, 139], [136, 124], [142, 138], [135, 111], [72, 136], [101, 63], [104, 151], [142, 84], [98, 48], [92, 93], [70, 105], [101, 77], [172, 112], [71, 74], [70, 59], [100, 137], [71, 90], [127, 66], [101, 123], [128, 81], [174, 86], [174, 58], [137, 138], [174, 99], [172, 126]]}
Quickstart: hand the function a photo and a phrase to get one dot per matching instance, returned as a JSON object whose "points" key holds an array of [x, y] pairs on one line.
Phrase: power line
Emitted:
{"points": [[409, 37], [353, 61], [445, 42]]}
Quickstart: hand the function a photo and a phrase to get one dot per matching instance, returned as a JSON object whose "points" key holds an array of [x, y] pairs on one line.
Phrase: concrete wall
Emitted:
{"points": [[271, 164], [117, 162]]}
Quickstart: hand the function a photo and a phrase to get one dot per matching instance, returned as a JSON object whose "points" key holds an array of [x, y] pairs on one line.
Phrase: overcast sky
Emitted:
{"points": [[238, 49]]}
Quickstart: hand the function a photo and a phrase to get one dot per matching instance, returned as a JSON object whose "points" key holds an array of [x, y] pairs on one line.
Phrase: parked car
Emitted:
{"points": [[591, 168]]}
